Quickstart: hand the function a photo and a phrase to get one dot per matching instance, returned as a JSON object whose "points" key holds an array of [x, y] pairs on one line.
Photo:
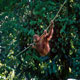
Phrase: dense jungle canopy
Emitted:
{"points": [[20, 20]]}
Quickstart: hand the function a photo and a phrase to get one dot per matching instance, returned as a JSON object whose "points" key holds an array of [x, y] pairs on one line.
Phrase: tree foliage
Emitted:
{"points": [[20, 20]]}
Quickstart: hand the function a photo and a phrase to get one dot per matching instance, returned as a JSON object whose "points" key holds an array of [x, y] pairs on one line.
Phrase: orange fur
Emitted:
{"points": [[42, 43]]}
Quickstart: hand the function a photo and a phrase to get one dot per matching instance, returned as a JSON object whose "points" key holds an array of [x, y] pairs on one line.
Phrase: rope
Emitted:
{"points": [[43, 33], [24, 49], [46, 29], [57, 13]]}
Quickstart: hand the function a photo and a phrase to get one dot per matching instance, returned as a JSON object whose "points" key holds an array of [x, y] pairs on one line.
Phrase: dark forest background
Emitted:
{"points": [[20, 20]]}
